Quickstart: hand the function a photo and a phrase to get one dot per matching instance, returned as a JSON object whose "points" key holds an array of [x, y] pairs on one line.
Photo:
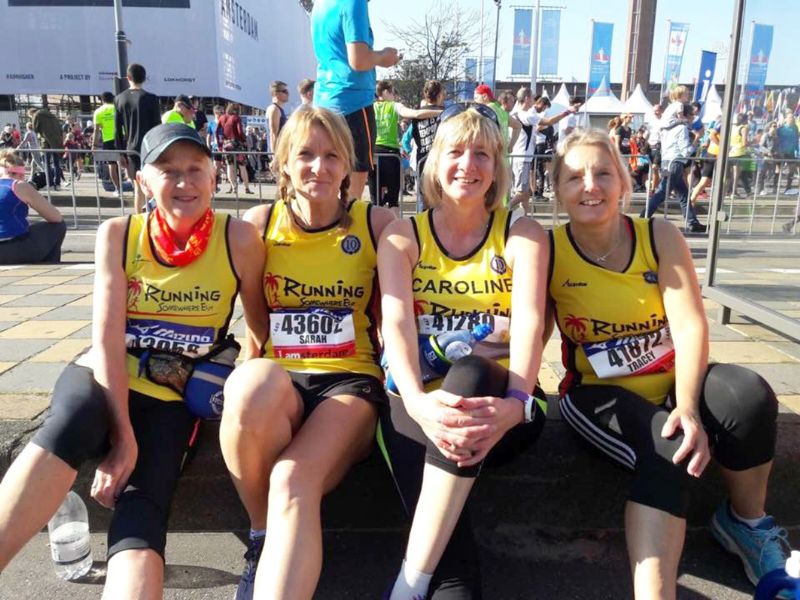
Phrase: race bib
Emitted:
{"points": [[175, 338], [635, 355], [312, 333], [434, 324]]}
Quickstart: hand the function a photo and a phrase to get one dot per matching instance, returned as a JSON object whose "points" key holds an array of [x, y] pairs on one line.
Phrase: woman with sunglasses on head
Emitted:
{"points": [[460, 264], [22, 242], [164, 292], [298, 418], [649, 399]]}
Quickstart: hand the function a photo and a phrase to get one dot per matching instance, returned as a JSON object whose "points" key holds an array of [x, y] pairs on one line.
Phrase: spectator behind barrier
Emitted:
{"points": [[20, 241]]}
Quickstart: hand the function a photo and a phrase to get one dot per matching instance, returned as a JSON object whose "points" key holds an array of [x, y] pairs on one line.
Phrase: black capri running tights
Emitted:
{"points": [[407, 449], [738, 410], [77, 428]]}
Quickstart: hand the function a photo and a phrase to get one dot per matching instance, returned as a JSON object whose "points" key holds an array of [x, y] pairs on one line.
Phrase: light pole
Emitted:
{"points": [[496, 34], [120, 81]]}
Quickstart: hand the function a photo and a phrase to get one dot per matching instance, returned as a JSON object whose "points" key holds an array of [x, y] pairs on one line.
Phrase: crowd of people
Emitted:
{"points": [[339, 295]]}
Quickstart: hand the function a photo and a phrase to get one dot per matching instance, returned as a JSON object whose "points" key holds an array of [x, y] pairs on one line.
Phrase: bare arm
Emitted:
{"points": [[516, 127], [248, 260], [28, 194], [363, 58], [527, 251], [257, 328], [110, 361], [547, 121], [416, 113], [687, 321], [274, 123], [397, 254]]}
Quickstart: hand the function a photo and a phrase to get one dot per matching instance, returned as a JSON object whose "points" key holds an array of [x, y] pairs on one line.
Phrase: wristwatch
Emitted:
{"points": [[528, 401]]}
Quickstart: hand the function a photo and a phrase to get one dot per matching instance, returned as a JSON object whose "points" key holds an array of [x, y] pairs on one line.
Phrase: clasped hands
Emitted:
{"points": [[465, 429]]}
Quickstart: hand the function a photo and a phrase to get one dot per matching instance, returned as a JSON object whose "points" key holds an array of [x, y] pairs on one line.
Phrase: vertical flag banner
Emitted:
{"points": [[471, 69], [600, 66], [708, 64], [521, 48], [548, 48], [678, 32], [759, 60], [471, 72]]}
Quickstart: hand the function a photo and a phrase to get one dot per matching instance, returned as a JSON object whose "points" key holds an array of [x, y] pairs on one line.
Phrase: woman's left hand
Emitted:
{"points": [[500, 414], [695, 440]]}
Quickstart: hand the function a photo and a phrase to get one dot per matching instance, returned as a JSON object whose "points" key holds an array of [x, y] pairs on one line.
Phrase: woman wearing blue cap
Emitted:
{"points": [[165, 286]]}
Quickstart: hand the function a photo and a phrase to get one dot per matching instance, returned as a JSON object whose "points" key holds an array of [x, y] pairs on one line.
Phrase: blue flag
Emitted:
{"points": [[521, 48], [759, 60], [705, 79], [601, 56], [548, 48]]}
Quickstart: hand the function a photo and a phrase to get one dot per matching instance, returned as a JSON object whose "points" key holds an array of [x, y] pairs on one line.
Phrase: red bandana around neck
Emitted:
{"points": [[164, 239]]}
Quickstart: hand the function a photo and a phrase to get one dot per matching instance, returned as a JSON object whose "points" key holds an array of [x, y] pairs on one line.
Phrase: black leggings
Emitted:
{"points": [[42, 244], [738, 410], [389, 170], [407, 449], [77, 428]]}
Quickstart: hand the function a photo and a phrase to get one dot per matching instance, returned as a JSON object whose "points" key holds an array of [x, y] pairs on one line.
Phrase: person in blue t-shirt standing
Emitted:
{"points": [[342, 38]]}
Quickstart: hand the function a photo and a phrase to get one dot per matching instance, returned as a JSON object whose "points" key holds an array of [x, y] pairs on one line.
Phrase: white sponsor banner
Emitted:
{"points": [[198, 47]]}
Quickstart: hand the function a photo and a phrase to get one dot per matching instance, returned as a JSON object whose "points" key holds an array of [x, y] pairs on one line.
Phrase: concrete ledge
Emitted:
{"points": [[558, 483]]}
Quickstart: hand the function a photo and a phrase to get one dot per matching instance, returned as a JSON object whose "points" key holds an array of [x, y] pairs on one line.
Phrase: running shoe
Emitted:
{"points": [[762, 549], [248, 581]]}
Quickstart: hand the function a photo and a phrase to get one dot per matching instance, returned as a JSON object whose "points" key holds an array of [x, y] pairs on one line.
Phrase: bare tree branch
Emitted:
{"points": [[435, 48]]}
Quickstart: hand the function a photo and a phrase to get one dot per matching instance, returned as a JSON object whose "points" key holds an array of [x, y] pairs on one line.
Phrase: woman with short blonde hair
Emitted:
{"points": [[458, 265]]}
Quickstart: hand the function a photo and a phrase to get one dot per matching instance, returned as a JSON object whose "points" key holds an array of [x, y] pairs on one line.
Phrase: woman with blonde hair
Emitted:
{"points": [[638, 384], [463, 263], [20, 241], [297, 418]]}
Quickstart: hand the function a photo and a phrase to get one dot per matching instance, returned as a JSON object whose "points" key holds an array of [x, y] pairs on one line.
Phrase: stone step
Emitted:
{"points": [[558, 483]]}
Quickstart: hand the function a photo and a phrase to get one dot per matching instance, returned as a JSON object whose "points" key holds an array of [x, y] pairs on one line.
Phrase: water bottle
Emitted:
{"points": [[781, 580], [439, 351], [70, 544]]}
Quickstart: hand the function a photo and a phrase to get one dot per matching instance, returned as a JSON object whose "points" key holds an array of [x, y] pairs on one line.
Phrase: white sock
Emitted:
{"points": [[752, 523], [254, 533], [410, 583]]}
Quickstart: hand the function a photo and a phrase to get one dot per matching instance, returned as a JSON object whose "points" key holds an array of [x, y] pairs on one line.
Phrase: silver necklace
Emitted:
{"points": [[603, 257]]}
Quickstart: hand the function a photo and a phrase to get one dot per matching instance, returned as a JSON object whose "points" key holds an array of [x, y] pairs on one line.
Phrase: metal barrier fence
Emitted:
{"points": [[45, 160], [740, 214], [42, 160]]}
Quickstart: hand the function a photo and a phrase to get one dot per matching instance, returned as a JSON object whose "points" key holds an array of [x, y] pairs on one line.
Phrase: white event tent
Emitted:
{"points": [[637, 103]]}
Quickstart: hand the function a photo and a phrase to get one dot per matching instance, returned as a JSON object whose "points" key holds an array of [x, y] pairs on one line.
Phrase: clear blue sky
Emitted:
{"points": [[710, 23]]}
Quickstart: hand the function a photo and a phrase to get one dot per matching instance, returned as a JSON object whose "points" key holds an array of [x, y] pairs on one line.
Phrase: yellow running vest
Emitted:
{"points": [[322, 293], [183, 310], [613, 326], [457, 293]]}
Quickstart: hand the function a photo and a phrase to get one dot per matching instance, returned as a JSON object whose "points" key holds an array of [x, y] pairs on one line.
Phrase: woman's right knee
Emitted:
{"points": [[256, 390]]}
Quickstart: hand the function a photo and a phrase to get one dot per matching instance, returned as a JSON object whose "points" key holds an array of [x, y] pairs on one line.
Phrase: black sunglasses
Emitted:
{"points": [[456, 109]]}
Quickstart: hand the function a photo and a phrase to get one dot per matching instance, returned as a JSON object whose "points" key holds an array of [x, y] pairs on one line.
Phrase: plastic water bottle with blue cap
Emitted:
{"points": [[439, 351], [781, 583]]}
